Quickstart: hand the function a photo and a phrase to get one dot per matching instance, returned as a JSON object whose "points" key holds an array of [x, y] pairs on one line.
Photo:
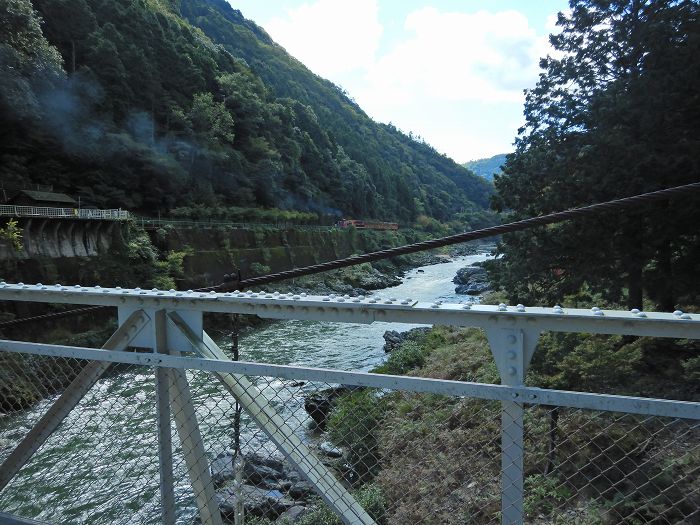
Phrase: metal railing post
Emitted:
{"points": [[165, 439], [512, 350]]}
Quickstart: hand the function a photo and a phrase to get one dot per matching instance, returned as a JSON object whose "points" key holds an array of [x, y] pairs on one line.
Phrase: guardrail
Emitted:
{"points": [[151, 223], [463, 452], [63, 213]]}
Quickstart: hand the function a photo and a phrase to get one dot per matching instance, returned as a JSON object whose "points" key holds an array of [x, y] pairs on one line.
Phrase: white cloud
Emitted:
{"points": [[456, 78], [486, 57], [330, 37]]}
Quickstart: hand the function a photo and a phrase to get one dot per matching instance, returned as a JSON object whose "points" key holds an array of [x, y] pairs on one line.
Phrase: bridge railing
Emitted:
{"points": [[155, 223], [63, 213], [151, 436]]}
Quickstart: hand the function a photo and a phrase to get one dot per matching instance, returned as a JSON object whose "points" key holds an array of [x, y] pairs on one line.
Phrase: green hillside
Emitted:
{"points": [[152, 105], [487, 168]]}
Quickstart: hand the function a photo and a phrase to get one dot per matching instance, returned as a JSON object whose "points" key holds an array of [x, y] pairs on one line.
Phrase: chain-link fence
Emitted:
{"points": [[402, 456]]}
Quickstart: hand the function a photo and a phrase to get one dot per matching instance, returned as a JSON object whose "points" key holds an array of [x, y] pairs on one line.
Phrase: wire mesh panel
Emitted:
{"points": [[100, 465], [258, 450], [404, 457], [602, 467]]}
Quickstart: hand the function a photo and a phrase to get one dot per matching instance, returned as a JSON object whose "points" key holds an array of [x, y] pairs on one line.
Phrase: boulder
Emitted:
{"points": [[394, 339], [327, 448], [471, 281], [257, 501], [319, 404], [257, 470], [464, 275], [300, 490]]}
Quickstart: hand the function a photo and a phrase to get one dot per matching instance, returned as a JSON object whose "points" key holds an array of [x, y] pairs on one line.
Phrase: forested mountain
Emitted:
{"points": [[487, 168], [126, 103]]}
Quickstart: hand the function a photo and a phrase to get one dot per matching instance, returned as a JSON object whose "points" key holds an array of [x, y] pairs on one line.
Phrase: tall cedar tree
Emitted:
{"points": [[616, 112]]}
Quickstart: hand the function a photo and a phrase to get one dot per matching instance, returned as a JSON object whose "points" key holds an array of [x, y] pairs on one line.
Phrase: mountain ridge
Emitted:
{"points": [[162, 104]]}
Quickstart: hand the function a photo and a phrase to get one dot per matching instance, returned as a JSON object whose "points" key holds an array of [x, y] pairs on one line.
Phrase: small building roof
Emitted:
{"points": [[47, 196]]}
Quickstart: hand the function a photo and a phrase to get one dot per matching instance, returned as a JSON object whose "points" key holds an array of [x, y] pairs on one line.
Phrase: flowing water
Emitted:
{"points": [[101, 466]]}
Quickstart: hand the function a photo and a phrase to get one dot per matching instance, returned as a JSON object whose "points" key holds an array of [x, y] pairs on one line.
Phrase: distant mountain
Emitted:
{"points": [[157, 104], [487, 168]]}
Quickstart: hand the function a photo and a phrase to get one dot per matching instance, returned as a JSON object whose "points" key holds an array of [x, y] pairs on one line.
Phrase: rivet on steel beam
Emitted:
{"points": [[372, 300], [558, 309], [512, 370], [634, 310], [467, 306], [598, 313], [405, 301], [137, 289], [388, 301], [435, 305], [268, 296], [520, 308], [325, 299], [303, 294], [20, 284], [512, 339], [512, 354], [296, 297], [502, 307], [361, 297], [393, 299], [341, 299], [38, 285], [641, 314], [356, 300], [678, 312], [686, 316]]}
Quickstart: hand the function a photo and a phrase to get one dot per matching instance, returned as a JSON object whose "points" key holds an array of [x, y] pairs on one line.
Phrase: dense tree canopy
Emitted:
{"points": [[615, 113], [145, 111]]}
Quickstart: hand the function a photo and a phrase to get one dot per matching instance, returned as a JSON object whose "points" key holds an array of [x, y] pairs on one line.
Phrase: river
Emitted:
{"points": [[101, 465]]}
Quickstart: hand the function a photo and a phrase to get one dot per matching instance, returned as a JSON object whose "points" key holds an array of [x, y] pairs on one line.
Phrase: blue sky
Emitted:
{"points": [[451, 71]]}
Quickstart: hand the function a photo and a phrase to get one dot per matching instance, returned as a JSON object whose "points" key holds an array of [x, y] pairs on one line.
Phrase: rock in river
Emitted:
{"points": [[471, 280]]}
